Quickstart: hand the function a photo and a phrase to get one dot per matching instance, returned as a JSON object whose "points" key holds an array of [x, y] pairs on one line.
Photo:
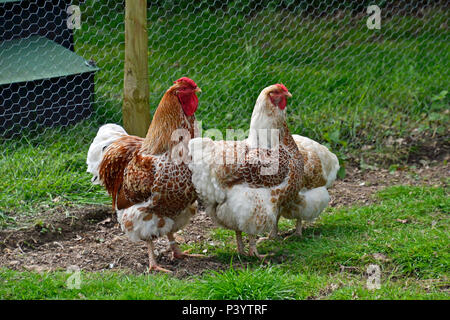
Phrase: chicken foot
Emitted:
{"points": [[252, 251], [273, 235], [176, 251], [152, 264], [298, 230]]}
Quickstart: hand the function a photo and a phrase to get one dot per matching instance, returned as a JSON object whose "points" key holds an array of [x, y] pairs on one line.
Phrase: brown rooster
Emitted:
{"points": [[148, 179]]}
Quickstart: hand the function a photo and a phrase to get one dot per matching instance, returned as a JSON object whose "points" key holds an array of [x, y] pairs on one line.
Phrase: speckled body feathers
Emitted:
{"points": [[151, 193]]}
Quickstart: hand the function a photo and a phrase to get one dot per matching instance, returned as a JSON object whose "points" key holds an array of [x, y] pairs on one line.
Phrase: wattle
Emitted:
{"points": [[282, 103], [189, 102]]}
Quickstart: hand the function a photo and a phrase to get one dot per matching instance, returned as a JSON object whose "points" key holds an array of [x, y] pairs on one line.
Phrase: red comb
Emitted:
{"points": [[187, 80], [282, 86]]}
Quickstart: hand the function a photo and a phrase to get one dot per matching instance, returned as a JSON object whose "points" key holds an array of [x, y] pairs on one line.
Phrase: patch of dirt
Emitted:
{"points": [[359, 186], [418, 148], [91, 239]]}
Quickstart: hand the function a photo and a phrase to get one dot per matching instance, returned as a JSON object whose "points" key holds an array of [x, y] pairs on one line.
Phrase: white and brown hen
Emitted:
{"points": [[244, 185]]}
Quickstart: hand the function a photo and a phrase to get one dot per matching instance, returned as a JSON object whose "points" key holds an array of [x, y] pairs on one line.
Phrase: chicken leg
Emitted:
{"points": [[240, 244], [152, 264], [298, 228]]}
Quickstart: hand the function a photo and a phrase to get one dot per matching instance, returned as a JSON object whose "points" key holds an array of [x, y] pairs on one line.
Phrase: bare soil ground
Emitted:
{"points": [[359, 186], [91, 239]]}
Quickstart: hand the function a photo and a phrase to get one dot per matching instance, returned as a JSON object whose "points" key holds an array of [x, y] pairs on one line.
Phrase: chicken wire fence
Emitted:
{"points": [[354, 68]]}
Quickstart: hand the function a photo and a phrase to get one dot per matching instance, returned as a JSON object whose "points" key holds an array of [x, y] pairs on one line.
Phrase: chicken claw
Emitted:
{"points": [[177, 253], [270, 237], [157, 267], [298, 230], [253, 251]]}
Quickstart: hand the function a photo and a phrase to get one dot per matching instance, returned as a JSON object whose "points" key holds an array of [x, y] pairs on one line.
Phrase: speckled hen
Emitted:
{"points": [[148, 179], [244, 185]]}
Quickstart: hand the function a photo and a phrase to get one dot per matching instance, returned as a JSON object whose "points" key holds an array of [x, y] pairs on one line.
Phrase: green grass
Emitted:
{"points": [[408, 228], [351, 86], [36, 173]]}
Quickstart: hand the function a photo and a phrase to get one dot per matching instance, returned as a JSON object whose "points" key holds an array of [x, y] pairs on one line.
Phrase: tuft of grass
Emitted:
{"points": [[105, 285], [247, 284]]}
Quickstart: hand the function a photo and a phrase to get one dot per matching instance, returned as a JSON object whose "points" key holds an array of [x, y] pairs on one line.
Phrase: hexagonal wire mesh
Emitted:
{"points": [[353, 82]]}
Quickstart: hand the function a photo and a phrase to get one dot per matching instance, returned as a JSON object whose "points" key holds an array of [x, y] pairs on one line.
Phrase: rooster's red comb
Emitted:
{"points": [[282, 87], [187, 80]]}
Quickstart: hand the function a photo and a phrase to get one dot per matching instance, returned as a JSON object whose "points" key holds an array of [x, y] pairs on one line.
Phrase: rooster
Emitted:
{"points": [[320, 169], [245, 184], [148, 179]]}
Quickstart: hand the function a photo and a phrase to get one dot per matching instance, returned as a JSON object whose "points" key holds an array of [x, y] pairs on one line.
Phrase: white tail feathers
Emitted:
{"points": [[330, 163], [106, 135], [315, 201]]}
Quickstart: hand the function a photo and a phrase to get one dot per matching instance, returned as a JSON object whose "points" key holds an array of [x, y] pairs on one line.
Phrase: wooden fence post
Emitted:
{"points": [[135, 109]]}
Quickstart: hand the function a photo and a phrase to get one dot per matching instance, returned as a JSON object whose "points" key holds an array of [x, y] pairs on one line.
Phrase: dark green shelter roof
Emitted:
{"points": [[36, 58]]}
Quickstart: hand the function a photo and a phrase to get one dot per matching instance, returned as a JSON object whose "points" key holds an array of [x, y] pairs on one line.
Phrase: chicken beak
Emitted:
{"points": [[288, 94], [198, 89]]}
